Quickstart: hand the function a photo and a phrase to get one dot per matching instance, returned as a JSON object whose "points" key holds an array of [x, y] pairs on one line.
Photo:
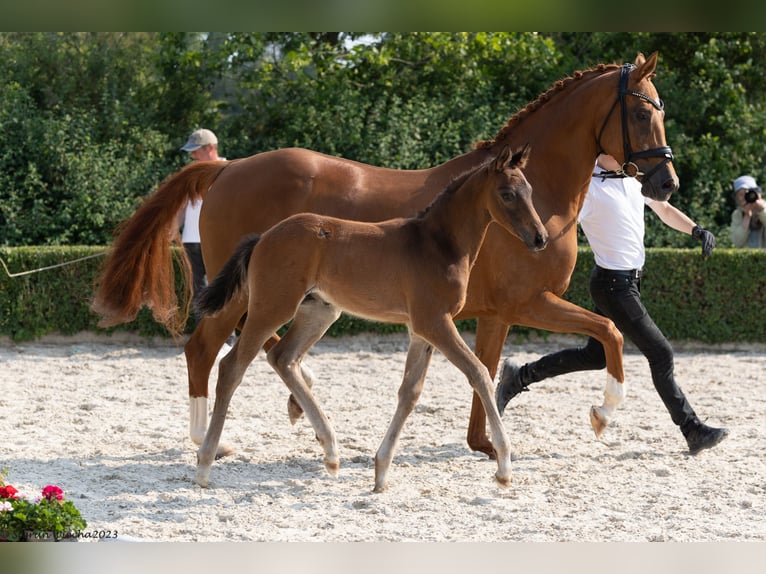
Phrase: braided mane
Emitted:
{"points": [[542, 99]]}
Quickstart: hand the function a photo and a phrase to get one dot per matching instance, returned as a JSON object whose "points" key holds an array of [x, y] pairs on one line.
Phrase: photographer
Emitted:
{"points": [[748, 220]]}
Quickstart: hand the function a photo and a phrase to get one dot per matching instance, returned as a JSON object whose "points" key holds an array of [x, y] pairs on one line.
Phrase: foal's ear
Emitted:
{"points": [[645, 65], [519, 159], [503, 158]]}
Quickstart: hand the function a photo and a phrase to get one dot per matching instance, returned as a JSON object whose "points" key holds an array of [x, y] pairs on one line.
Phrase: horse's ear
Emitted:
{"points": [[503, 158], [645, 66]]}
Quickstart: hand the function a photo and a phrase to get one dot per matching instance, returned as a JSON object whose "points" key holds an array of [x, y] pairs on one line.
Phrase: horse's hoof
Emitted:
{"points": [[294, 410], [224, 450], [598, 420], [503, 481]]}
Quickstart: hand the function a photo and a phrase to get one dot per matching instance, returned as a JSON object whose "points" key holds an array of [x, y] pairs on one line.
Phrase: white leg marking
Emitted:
{"points": [[614, 395], [197, 419]]}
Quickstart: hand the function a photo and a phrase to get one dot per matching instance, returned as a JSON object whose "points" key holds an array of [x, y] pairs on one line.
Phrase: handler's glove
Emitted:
{"points": [[707, 239]]}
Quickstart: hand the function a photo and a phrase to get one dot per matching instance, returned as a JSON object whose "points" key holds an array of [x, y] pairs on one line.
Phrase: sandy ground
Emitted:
{"points": [[108, 422]]}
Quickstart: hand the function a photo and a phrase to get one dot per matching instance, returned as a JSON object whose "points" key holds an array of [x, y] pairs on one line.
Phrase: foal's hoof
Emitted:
{"points": [[332, 468], [483, 445], [503, 481], [379, 488], [224, 450], [294, 410], [202, 478], [598, 420]]}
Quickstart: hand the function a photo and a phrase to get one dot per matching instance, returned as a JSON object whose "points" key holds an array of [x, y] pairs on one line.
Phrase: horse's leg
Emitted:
{"points": [[418, 358], [490, 338], [312, 320], [445, 337], [553, 313], [201, 350], [231, 369]]}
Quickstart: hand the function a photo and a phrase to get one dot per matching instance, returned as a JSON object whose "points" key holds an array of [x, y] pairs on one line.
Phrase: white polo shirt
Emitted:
{"points": [[612, 219], [190, 231]]}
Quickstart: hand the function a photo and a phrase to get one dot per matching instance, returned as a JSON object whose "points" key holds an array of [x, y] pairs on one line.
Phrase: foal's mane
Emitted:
{"points": [[454, 184], [542, 99]]}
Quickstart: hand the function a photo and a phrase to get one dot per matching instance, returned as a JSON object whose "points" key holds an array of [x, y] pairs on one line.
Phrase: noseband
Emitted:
{"points": [[629, 168]]}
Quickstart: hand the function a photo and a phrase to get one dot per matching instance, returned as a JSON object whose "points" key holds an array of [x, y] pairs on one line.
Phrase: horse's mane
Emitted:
{"points": [[542, 99]]}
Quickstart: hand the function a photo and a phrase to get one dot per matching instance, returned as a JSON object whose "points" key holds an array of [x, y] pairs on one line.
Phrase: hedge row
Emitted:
{"points": [[714, 300]]}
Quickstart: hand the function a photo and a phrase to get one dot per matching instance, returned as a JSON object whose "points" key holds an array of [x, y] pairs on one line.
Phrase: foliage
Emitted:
{"points": [[47, 516], [93, 121], [689, 297], [57, 300]]}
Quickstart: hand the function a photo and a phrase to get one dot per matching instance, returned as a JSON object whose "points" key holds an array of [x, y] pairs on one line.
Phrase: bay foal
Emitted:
{"points": [[414, 271]]}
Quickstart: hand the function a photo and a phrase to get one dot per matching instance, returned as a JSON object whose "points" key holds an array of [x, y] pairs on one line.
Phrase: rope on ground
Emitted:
{"points": [[64, 264]]}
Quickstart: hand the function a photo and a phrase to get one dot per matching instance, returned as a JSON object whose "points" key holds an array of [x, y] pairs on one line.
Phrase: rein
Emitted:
{"points": [[629, 167]]}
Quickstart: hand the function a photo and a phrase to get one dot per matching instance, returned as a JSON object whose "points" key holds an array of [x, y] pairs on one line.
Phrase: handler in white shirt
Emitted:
{"points": [[612, 219]]}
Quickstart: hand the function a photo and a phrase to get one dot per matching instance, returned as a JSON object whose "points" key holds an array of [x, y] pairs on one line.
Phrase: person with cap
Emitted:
{"points": [[612, 218], [202, 145], [748, 220]]}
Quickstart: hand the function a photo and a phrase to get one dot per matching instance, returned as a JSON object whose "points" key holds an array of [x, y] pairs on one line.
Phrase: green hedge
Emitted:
{"points": [[714, 300]]}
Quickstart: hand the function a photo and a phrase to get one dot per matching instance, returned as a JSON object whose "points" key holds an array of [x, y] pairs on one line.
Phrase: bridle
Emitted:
{"points": [[629, 167]]}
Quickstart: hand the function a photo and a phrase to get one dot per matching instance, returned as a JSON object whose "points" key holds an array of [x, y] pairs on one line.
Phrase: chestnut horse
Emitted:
{"points": [[412, 271], [610, 108]]}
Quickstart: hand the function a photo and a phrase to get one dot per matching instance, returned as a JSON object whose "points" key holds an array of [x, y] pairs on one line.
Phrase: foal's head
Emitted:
{"points": [[510, 202]]}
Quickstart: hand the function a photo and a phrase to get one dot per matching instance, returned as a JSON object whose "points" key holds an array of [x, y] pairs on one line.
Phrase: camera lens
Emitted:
{"points": [[751, 196]]}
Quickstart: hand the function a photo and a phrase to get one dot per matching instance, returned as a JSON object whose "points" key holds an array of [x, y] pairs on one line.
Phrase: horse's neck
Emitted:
{"points": [[563, 134], [441, 175]]}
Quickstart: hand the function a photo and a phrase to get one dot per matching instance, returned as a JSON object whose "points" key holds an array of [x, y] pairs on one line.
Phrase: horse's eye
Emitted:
{"points": [[507, 196], [643, 115]]}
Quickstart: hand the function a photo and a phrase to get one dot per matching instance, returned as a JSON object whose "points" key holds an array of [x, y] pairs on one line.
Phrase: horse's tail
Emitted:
{"points": [[139, 269], [230, 280]]}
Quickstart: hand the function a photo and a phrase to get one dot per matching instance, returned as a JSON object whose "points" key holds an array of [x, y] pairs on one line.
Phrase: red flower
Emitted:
{"points": [[53, 493], [8, 491]]}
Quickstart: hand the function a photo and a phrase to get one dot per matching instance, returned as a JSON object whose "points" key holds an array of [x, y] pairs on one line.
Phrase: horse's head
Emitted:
{"points": [[511, 204], [637, 133]]}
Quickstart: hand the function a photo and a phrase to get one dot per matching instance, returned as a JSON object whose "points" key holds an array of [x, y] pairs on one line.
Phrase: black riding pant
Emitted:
{"points": [[199, 281], [616, 295]]}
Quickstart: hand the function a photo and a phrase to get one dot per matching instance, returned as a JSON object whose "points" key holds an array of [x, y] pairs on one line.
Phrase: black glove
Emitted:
{"points": [[707, 239]]}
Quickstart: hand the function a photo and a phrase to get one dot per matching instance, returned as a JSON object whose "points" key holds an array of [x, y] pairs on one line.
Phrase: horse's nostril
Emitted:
{"points": [[669, 185]]}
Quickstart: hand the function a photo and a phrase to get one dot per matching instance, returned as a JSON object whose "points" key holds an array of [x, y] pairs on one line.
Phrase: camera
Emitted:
{"points": [[751, 195]]}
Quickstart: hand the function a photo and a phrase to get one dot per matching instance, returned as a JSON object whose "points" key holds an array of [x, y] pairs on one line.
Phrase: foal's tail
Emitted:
{"points": [[139, 269], [230, 280]]}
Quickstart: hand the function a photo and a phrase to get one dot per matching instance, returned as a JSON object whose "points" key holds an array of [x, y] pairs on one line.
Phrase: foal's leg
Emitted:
{"points": [[447, 339], [418, 358], [311, 322], [313, 319], [231, 369]]}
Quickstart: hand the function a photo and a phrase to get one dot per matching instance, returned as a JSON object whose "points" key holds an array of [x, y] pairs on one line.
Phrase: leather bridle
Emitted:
{"points": [[629, 167]]}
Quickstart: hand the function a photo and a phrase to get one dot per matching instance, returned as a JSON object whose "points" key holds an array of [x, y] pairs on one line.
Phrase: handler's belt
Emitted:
{"points": [[630, 273]]}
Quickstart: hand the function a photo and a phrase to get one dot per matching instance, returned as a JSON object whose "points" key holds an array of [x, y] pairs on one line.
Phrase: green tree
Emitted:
{"points": [[91, 122]]}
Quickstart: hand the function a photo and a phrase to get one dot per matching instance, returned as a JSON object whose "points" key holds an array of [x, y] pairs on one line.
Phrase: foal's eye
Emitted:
{"points": [[506, 195]]}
